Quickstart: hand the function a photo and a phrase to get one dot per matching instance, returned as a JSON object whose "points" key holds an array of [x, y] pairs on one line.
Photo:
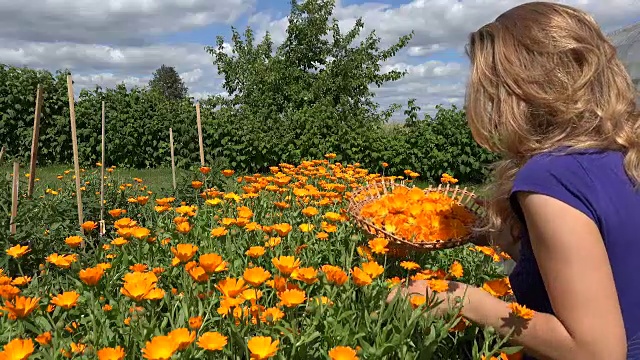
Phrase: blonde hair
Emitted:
{"points": [[543, 75]]}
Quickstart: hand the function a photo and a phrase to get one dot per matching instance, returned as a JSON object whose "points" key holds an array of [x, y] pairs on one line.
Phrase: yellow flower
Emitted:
{"points": [[306, 227]]}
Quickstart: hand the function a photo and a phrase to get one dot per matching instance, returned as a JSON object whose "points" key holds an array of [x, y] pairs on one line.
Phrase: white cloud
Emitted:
{"points": [[107, 42], [116, 21]]}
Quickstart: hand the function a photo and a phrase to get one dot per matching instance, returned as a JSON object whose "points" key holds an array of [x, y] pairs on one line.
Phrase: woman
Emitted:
{"points": [[548, 94]]}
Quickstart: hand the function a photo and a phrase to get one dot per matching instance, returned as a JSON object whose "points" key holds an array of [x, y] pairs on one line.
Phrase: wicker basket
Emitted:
{"points": [[397, 245]]}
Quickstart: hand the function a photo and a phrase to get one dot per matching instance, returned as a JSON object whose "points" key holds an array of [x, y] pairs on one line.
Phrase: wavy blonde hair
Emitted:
{"points": [[543, 76]]}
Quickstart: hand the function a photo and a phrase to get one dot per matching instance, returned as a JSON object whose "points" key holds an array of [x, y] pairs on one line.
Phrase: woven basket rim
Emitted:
{"points": [[460, 196]]}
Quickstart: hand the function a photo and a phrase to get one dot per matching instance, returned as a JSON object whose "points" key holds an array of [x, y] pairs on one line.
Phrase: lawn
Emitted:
{"points": [[158, 180]]}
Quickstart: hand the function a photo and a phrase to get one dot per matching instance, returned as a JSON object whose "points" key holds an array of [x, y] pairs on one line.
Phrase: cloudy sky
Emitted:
{"points": [[106, 42]]}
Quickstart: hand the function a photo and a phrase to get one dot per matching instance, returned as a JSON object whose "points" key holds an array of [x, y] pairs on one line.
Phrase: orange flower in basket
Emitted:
{"points": [[417, 215]]}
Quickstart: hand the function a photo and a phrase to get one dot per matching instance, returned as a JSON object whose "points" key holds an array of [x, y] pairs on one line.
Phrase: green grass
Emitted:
{"points": [[158, 180]]}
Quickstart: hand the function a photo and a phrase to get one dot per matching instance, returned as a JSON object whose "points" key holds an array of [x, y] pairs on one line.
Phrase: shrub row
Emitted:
{"points": [[241, 137]]}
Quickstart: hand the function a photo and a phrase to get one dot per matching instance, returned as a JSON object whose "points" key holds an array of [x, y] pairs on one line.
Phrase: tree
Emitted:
{"points": [[311, 94], [168, 82]]}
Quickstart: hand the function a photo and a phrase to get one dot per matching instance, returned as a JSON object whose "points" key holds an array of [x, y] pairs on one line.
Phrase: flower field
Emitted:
{"points": [[233, 267]]}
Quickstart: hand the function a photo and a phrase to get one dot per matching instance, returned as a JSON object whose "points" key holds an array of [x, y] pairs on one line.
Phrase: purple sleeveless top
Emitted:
{"points": [[595, 183]]}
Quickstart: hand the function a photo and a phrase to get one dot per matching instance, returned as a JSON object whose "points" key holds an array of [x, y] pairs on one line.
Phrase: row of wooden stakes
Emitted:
{"points": [[74, 140]]}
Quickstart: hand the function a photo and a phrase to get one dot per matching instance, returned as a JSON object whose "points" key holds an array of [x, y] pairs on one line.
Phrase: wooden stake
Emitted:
{"points": [[34, 140], [14, 197], [74, 143], [102, 163], [173, 161], [2, 151], [200, 133]]}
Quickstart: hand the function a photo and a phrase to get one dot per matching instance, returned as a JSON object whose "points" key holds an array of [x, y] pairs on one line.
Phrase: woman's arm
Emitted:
{"points": [[576, 271]]}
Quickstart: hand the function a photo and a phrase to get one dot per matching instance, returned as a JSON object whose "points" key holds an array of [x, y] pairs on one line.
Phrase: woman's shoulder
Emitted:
{"points": [[584, 166], [575, 177]]}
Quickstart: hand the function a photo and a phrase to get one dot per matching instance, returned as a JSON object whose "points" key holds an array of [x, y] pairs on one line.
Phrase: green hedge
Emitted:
{"points": [[138, 122]]}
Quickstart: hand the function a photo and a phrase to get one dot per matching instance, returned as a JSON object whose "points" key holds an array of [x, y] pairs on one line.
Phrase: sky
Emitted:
{"points": [[107, 42]]}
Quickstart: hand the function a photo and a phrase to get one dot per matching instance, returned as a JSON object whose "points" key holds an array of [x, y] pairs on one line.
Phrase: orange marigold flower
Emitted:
{"points": [[44, 338], [310, 211], [335, 274], [308, 275], [219, 231], [17, 251], [456, 269], [372, 268], [379, 246], [91, 276], [18, 349], [212, 262], [262, 347], [292, 297], [184, 252], [183, 337], [140, 233], [88, 226], [255, 251], [521, 311], [117, 212], [306, 227], [438, 285], [195, 322], [286, 264], [20, 307], [228, 172], [73, 241], [212, 341], [183, 227], [360, 278], [498, 287], [9, 292], [231, 287], [198, 274], [110, 353], [256, 276], [66, 300], [271, 315], [159, 348], [409, 265], [343, 353]]}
